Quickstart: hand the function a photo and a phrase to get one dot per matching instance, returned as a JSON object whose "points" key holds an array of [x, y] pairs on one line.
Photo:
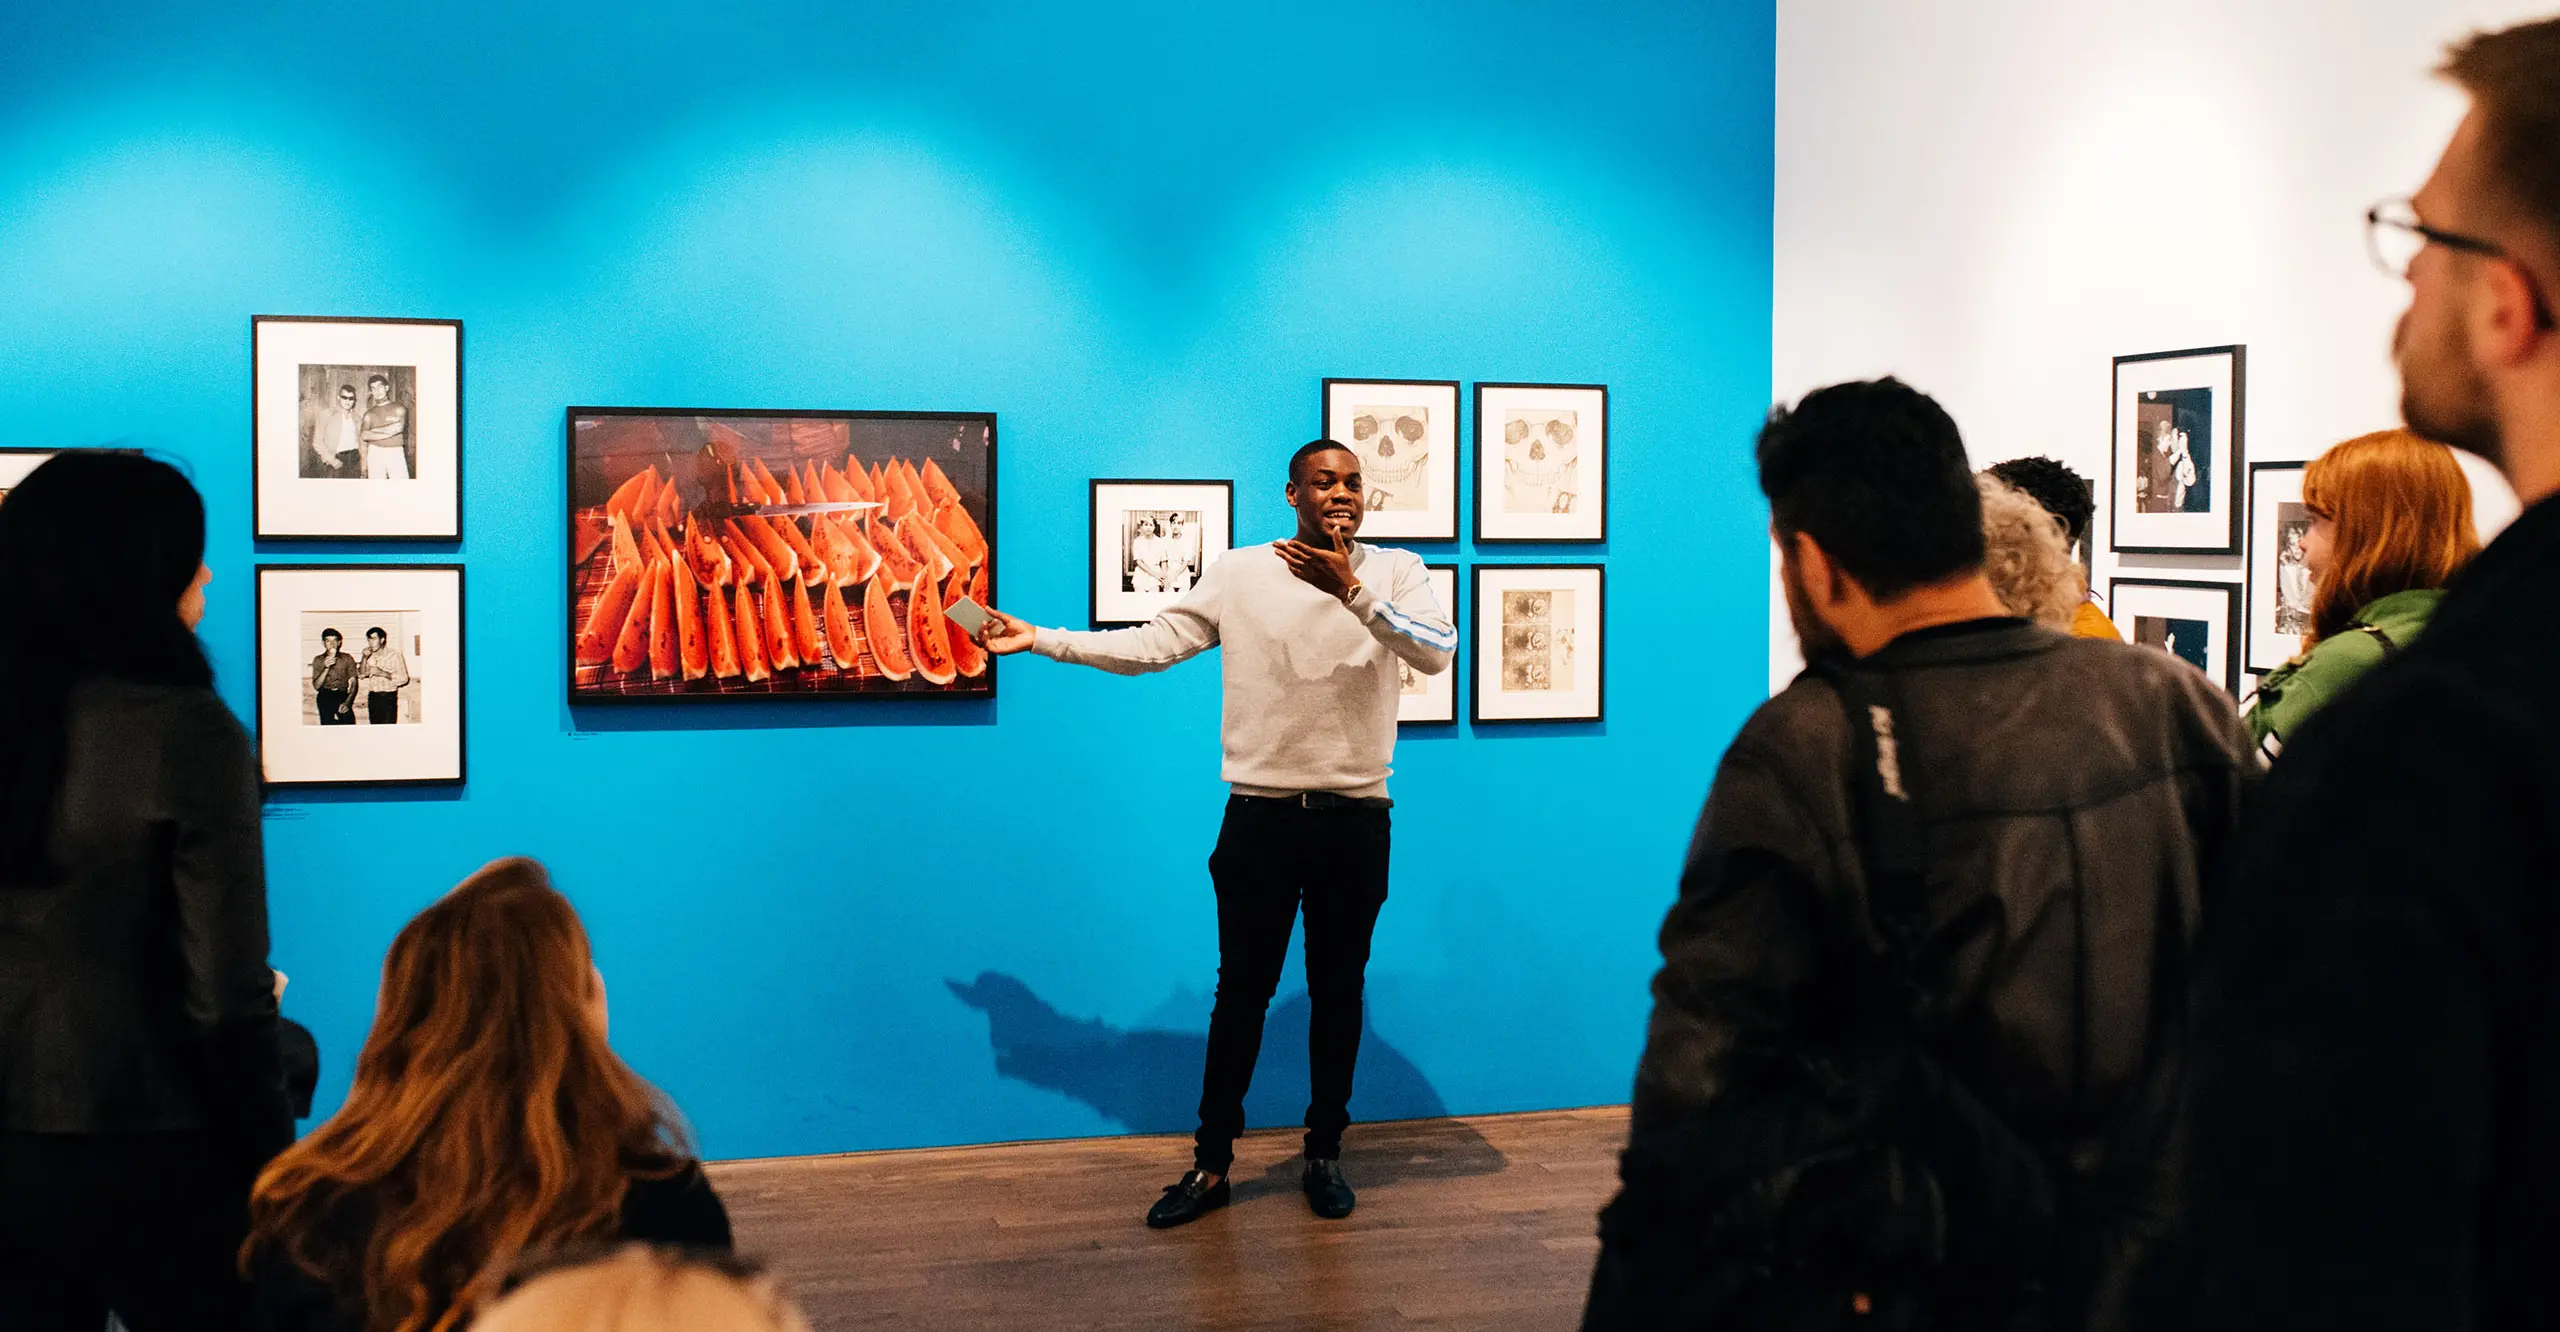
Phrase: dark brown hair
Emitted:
{"points": [[488, 1116], [2513, 76], [2399, 510]]}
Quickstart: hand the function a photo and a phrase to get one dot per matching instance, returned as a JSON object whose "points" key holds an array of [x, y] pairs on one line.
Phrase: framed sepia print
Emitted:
{"points": [[1406, 433], [2198, 623], [745, 554], [17, 464], [1542, 462], [360, 674], [357, 429], [1151, 542], [1538, 650], [1432, 700], [2178, 463], [2279, 579]]}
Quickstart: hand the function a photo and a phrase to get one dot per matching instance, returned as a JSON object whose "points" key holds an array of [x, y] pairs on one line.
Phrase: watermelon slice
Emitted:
{"points": [[831, 483], [841, 640], [938, 490], [626, 549], [861, 556], [919, 542], [777, 630], [792, 490], [804, 624], [944, 545], [928, 634], [663, 662], [638, 491], [858, 481], [670, 505], [724, 635], [811, 566], [953, 521], [978, 587], [631, 646], [777, 552], [691, 651], [710, 562], [604, 623], [592, 531], [770, 488], [751, 638], [896, 565], [966, 655], [880, 630]]}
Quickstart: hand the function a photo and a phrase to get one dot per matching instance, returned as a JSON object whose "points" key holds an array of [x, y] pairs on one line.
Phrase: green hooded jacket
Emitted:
{"points": [[2292, 692]]}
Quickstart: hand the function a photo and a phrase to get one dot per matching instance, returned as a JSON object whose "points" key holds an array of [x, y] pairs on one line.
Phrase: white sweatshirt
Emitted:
{"points": [[1311, 684]]}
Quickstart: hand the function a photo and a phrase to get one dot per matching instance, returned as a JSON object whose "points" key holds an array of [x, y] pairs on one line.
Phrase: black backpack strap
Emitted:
{"points": [[2388, 647], [1890, 839]]}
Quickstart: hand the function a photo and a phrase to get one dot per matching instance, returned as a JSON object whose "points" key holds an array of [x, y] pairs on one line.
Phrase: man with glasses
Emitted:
{"points": [[2377, 1092]]}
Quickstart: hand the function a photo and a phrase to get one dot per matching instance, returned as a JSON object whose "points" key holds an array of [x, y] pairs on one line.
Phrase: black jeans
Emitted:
{"points": [[333, 707], [384, 707], [146, 1224], [1272, 856]]}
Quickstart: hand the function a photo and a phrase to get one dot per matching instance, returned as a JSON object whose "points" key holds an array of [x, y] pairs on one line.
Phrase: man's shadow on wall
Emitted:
{"points": [[1148, 1080]]}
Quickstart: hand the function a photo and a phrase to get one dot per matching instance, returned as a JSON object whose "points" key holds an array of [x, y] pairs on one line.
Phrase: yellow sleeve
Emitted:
{"points": [[2091, 622]]}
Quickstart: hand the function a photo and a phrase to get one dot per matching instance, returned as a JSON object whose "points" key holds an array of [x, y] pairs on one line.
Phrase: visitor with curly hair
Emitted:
{"points": [[2072, 501]]}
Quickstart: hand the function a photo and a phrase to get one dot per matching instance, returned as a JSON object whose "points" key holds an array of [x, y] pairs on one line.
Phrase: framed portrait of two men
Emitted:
{"points": [[356, 429]]}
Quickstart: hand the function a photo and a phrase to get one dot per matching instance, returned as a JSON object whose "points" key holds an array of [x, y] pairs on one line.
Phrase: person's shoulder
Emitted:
{"points": [[2144, 686], [1801, 726], [675, 1207]]}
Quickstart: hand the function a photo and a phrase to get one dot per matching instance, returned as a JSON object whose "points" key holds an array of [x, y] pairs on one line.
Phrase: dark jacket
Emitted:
{"points": [[680, 1210], [2378, 1101], [134, 989], [2077, 798]]}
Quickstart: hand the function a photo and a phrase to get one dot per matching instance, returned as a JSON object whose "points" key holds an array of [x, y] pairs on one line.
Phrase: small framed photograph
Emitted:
{"points": [[1432, 700], [1538, 642], [1542, 462], [360, 674], [357, 427], [1151, 542], [16, 464], [2198, 623], [2178, 460], [1406, 433], [2279, 580]]}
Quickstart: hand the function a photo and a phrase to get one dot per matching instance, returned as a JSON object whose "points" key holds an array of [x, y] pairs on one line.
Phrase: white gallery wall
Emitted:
{"points": [[1992, 199]]}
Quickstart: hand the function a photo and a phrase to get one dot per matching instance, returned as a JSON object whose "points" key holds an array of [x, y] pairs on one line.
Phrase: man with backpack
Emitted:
{"points": [[1914, 1046]]}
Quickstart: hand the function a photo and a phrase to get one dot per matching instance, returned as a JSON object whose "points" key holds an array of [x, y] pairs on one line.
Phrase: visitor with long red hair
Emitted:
{"points": [[489, 1121], [2390, 526]]}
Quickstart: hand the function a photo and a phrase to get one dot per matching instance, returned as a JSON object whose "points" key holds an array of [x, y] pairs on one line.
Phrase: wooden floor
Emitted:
{"points": [[1477, 1223]]}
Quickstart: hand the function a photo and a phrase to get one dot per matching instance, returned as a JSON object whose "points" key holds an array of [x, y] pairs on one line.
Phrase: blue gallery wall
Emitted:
{"points": [[1140, 233]]}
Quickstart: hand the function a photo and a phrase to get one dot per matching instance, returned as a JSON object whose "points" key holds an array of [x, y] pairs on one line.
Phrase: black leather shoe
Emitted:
{"points": [[1187, 1201], [1326, 1193]]}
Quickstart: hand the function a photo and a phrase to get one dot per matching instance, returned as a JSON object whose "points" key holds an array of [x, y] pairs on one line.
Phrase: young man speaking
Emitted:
{"points": [[1313, 628]]}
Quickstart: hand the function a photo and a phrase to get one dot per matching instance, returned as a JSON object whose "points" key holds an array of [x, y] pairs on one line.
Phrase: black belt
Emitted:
{"points": [[1322, 800]]}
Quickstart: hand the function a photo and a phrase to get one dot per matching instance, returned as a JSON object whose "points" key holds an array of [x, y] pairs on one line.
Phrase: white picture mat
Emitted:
{"points": [[1437, 520], [290, 751], [14, 467], [2271, 489], [425, 507], [2129, 602], [2210, 530], [1589, 518], [1113, 502], [1438, 701], [1495, 703]]}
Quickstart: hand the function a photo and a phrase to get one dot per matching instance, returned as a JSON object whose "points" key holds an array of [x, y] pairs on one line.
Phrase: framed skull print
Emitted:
{"points": [[1406, 434], [1542, 462]]}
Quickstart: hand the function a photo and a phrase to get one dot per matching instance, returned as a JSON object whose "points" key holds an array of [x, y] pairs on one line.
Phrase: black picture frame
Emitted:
{"points": [[1485, 639], [257, 507], [567, 641], [1457, 448], [2252, 660], [2235, 649], [461, 671], [2232, 459], [1459, 590], [1484, 468], [1093, 533]]}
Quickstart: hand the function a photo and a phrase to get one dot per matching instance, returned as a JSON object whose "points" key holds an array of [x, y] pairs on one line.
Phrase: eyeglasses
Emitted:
{"points": [[2395, 237]]}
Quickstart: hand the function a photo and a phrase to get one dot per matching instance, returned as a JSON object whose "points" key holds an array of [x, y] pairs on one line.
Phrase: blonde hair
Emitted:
{"points": [[2026, 556], [640, 1289]]}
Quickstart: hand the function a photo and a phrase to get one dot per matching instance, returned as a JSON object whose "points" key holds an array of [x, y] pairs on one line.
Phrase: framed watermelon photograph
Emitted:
{"points": [[744, 554]]}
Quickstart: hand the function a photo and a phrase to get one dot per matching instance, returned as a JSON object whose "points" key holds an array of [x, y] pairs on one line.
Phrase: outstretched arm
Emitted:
{"points": [[1182, 631]]}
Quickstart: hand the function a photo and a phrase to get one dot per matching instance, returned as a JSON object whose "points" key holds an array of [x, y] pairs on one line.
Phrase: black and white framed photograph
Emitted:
{"points": [[2279, 577], [1542, 462], [2198, 623], [2178, 466], [1432, 700], [360, 674], [1406, 433], [1151, 542], [18, 464], [1538, 642], [358, 428]]}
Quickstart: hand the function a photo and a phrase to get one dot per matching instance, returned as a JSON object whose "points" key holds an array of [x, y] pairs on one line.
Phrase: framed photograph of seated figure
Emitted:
{"points": [[2179, 473], [2279, 571], [1406, 433], [1432, 700], [1542, 463]]}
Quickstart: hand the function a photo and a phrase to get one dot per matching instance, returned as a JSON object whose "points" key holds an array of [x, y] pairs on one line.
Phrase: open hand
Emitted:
{"points": [[1326, 568], [1006, 635]]}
